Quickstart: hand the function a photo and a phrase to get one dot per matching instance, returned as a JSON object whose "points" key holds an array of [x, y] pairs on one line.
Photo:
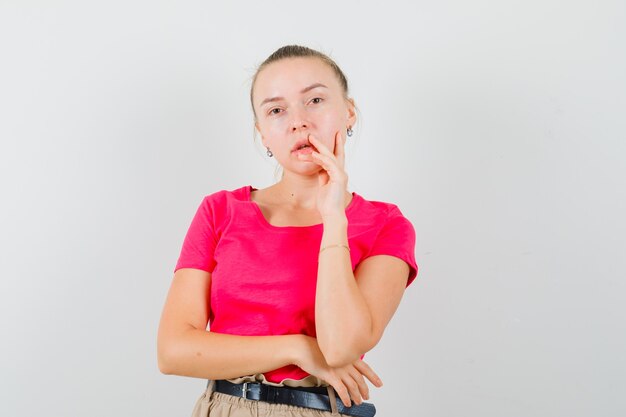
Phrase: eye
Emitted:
{"points": [[274, 111], [316, 100]]}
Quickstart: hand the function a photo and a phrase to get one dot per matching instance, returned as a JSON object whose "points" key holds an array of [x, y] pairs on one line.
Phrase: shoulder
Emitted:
{"points": [[223, 199], [391, 233], [380, 210], [217, 208], [227, 196], [386, 222]]}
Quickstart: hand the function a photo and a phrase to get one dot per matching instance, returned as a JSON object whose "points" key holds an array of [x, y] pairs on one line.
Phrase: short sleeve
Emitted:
{"points": [[200, 241], [397, 238]]}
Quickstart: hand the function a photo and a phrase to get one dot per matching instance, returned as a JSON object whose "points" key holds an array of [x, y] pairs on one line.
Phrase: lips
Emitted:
{"points": [[303, 143]]}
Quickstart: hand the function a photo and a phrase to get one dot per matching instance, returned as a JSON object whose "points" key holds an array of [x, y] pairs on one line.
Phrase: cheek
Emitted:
{"points": [[271, 128], [329, 124]]}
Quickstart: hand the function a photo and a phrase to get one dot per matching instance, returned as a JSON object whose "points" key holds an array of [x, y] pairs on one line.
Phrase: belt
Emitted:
{"points": [[308, 397]]}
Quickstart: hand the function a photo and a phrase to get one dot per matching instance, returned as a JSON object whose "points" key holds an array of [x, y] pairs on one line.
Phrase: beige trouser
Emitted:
{"points": [[217, 404]]}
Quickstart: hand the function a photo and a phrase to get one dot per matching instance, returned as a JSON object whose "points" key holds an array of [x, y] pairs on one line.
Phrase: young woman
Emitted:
{"points": [[298, 280]]}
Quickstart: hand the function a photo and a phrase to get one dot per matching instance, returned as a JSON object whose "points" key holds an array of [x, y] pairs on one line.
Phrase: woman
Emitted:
{"points": [[299, 279]]}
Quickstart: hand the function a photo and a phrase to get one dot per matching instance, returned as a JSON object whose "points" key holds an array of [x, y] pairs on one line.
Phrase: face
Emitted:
{"points": [[296, 97]]}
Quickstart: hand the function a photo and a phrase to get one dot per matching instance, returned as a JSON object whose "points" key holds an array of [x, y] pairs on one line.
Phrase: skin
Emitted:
{"points": [[291, 104], [321, 114], [312, 190]]}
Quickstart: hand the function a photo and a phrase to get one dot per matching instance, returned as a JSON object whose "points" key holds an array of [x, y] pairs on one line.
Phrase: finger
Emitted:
{"points": [[323, 178], [360, 381], [324, 174], [324, 160], [340, 148], [329, 161], [368, 372], [319, 145], [313, 159], [341, 391], [330, 166], [353, 388]]}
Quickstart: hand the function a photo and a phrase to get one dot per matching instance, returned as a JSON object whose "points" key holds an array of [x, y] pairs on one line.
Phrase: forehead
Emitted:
{"points": [[289, 76]]}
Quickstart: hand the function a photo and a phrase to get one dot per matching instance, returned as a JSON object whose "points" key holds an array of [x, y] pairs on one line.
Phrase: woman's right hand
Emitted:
{"points": [[348, 380]]}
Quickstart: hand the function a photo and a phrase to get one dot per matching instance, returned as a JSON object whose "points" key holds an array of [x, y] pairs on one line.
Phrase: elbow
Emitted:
{"points": [[348, 350], [339, 359], [166, 356], [338, 355], [165, 368], [163, 362]]}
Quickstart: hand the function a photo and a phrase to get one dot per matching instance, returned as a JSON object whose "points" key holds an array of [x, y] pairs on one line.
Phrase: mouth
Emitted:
{"points": [[303, 146]]}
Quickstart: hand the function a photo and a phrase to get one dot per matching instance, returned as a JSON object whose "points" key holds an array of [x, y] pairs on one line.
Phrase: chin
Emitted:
{"points": [[305, 170]]}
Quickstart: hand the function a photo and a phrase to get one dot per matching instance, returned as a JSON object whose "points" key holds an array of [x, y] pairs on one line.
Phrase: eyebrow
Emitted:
{"points": [[304, 90]]}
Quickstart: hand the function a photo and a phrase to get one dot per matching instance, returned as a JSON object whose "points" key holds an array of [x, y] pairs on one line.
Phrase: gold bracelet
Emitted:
{"points": [[335, 246]]}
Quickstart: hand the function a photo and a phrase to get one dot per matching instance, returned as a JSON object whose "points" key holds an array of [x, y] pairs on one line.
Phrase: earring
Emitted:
{"points": [[349, 132], [269, 153]]}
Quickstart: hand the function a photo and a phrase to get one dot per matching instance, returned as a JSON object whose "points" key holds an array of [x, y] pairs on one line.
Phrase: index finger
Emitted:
{"points": [[319, 145]]}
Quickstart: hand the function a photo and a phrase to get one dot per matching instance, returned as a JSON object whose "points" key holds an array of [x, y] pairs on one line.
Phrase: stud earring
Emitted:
{"points": [[269, 153], [349, 132]]}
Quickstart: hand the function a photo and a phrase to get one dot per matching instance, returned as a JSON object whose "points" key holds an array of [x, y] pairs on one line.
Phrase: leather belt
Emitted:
{"points": [[308, 397]]}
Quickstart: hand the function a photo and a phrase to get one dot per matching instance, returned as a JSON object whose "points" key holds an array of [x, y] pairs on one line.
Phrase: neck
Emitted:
{"points": [[298, 191]]}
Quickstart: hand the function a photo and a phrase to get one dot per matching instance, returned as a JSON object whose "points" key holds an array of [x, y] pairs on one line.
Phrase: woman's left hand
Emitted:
{"points": [[333, 180]]}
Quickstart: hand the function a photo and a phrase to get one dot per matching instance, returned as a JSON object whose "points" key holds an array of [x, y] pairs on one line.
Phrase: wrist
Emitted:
{"points": [[335, 231], [335, 220]]}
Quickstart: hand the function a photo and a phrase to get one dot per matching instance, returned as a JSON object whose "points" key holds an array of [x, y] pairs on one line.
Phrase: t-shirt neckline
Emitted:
{"points": [[248, 191]]}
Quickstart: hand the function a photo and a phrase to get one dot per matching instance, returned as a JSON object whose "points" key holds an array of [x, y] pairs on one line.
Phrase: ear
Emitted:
{"points": [[351, 112]]}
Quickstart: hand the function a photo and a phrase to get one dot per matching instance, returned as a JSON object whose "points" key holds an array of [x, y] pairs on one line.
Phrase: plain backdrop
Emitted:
{"points": [[497, 127]]}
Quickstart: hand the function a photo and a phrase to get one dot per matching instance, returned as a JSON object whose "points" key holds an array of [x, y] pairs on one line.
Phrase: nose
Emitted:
{"points": [[298, 120]]}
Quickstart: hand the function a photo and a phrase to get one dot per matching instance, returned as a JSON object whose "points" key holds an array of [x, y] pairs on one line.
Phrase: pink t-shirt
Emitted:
{"points": [[263, 277]]}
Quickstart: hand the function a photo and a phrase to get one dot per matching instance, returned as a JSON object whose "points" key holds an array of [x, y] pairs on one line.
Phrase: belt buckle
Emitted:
{"points": [[244, 390]]}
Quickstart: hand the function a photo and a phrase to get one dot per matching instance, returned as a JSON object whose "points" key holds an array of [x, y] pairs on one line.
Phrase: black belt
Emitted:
{"points": [[308, 397]]}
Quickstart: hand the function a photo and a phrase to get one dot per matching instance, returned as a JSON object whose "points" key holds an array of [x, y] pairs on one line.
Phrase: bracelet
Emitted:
{"points": [[335, 246]]}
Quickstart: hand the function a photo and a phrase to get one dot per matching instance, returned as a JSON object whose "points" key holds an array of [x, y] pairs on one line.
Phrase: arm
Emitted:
{"points": [[185, 347], [353, 309]]}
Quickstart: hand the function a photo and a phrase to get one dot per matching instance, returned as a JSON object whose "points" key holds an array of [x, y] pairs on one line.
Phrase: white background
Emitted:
{"points": [[497, 127]]}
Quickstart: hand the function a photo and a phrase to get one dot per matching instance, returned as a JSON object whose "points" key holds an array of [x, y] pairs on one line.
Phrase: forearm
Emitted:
{"points": [[342, 318], [208, 355]]}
